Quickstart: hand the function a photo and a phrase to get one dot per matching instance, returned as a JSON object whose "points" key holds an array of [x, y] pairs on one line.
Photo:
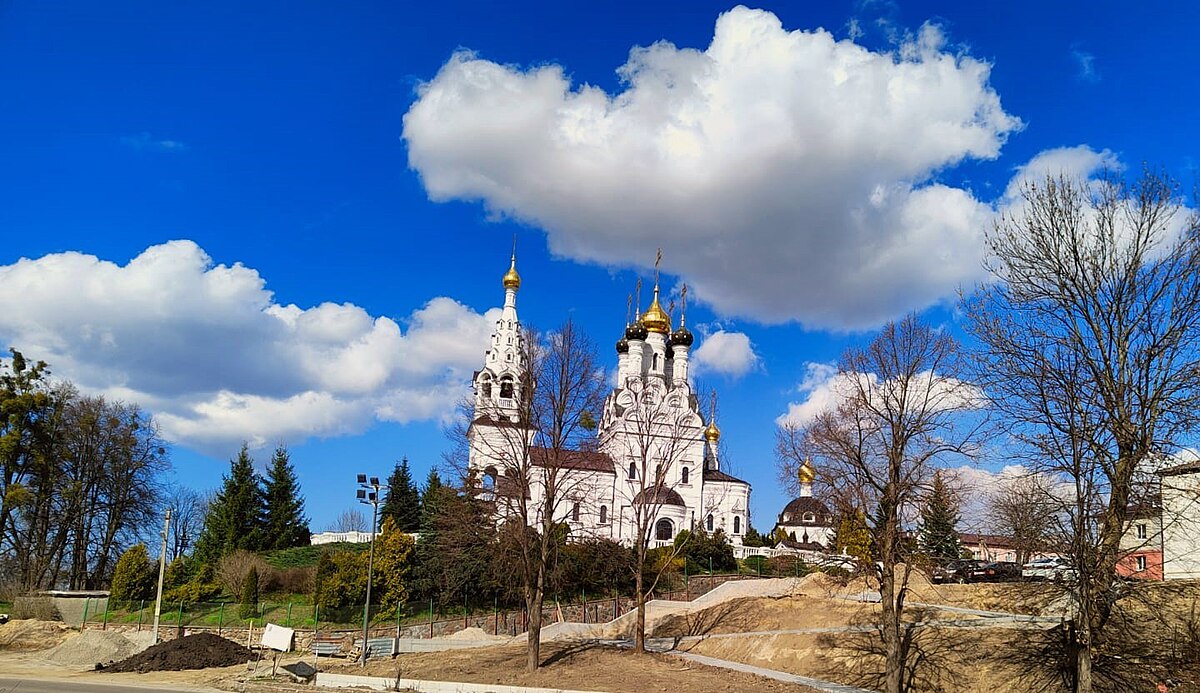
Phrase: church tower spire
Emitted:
{"points": [[498, 384]]}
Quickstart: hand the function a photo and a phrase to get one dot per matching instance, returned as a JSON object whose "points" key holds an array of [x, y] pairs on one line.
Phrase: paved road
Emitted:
{"points": [[17, 684]]}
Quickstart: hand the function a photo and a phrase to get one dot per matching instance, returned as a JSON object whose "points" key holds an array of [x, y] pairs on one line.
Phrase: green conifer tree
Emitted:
{"points": [[249, 600], [135, 575], [402, 500], [939, 519], [285, 523], [235, 518]]}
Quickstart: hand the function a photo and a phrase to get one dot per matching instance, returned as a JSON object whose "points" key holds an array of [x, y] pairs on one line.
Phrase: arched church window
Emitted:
{"points": [[604, 514], [506, 386], [487, 386], [655, 362], [632, 470], [509, 357], [737, 524], [683, 476], [663, 530], [708, 522], [575, 512], [809, 517], [510, 340]]}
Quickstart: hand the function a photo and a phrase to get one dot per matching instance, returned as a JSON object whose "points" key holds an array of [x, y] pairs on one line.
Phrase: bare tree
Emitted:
{"points": [[529, 446], [903, 411], [188, 508], [1025, 509], [1089, 351], [351, 520], [649, 430]]}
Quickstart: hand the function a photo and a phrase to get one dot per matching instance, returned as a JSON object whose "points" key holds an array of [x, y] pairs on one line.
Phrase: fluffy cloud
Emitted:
{"points": [[787, 175], [219, 361], [824, 388], [725, 353]]}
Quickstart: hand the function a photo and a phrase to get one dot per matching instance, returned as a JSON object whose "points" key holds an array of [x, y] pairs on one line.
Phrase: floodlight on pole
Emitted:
{"points": [[368, 494]]}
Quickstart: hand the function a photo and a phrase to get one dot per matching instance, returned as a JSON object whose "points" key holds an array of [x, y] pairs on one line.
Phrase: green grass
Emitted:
{"points": [[306, 556]]}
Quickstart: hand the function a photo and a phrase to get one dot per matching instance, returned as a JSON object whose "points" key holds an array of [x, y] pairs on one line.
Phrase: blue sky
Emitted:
{"points": [[292, 279]]}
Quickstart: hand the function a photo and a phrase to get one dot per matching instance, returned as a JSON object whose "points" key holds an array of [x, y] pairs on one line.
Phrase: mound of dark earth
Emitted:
{"points": [[198, 651]]}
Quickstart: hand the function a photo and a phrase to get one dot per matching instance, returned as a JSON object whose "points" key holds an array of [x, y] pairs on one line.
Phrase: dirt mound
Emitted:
{"points": [[30, 634], [760, 614], [475, 634], [92, 647], [198, 651]]}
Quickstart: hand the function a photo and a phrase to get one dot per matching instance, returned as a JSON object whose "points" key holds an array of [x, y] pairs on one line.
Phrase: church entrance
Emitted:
{"points": [[664, 530]]}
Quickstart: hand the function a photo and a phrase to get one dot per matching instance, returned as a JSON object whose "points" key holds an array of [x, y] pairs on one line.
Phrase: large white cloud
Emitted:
{"points": [[824, 388], [787, 175], [209, 350], [725, 353]]}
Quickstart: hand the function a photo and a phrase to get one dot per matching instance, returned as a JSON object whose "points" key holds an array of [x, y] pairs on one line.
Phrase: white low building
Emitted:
{"points": [[1181, 521], [653, 447]]}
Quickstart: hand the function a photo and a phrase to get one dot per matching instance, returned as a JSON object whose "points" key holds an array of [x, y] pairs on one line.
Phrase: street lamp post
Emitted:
{"points": [[368, 494]]}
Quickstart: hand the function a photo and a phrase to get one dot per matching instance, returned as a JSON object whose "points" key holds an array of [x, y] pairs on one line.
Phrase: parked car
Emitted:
{"points": [[1001, 571], [961, 570], [1056, 568]]}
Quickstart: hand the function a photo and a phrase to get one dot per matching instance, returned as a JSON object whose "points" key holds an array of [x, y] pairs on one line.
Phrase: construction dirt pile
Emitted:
{"points": [[93, 647], [475, 635], [198, 651], [30, 634]]}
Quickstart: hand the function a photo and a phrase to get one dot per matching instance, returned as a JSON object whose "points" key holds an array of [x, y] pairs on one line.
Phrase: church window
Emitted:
{"points": [[575, 512], [737, 524], [708, 522], [604, 514], [655, 362], [506, 388], [510, 340], [508, 357], [684, 476], [632, 470], [663, 530], [809, 517]]}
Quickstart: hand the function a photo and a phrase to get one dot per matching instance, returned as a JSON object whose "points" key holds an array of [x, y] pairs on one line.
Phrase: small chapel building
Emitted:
{"points": [[653, 447], [806, 521]]}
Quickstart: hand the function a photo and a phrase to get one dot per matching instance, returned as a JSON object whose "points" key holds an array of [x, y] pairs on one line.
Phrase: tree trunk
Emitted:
{"points": [[1083, 668], [533, 637], [639, 631]]}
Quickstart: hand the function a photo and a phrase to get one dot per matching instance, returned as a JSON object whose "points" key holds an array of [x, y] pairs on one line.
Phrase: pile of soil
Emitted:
{"points": [[198, 651], [31, 634], [95, 646]]}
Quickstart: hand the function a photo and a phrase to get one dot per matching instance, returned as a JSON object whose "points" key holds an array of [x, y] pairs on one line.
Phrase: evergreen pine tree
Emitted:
{"points": [[428, 572], [285, 524], [235, 517], [939, 517], [402, 501]]}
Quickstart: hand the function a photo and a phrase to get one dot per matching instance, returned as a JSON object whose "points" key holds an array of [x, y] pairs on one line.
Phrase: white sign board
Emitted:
{"points": [[278, 637]]}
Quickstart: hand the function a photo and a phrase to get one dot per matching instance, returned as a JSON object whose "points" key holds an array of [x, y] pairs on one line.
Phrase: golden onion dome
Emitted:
{"points": [[806, 473], [512, 280], [655, 318], [712, 434]]}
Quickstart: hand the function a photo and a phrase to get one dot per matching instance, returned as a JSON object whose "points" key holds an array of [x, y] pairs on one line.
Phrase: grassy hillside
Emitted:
{"points": [[306, 556]]}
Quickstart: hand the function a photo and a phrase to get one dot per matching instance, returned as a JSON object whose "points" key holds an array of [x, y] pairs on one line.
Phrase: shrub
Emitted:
{"points": [[249, 607], [135, 576], [341, 579], [233, 568]]}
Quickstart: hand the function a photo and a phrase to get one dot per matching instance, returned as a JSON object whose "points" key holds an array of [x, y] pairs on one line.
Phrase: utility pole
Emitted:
{"points": [[162, 571]]}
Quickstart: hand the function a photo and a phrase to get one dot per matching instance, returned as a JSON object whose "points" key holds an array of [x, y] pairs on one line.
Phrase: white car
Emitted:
{"points": [[1057, 569]]}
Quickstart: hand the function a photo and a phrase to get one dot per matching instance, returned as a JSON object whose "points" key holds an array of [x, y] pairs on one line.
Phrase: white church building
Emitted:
{"points": [[653, 447]]}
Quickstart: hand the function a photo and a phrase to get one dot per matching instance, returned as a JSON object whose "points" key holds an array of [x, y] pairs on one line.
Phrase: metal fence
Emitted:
{"points": [[414, 619]]}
